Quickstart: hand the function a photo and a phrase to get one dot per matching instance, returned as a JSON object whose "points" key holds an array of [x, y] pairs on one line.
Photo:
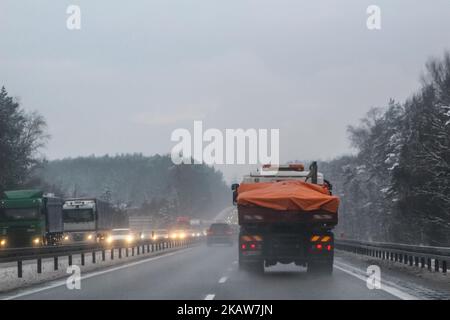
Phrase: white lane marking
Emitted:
{"points": [[210, 297], [93, 274], [385, 285], [223, 279]]}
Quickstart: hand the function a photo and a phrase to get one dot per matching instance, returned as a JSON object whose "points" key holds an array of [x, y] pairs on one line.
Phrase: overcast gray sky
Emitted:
{"points": [[139, 69]]}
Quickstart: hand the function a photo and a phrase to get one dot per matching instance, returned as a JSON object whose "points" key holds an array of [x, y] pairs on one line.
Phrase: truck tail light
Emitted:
{"points": [[251, 243], [321, 243], [250, 246]]}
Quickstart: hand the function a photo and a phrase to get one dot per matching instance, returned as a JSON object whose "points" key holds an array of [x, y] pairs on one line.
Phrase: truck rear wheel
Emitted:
{"points": [[324, 267]]}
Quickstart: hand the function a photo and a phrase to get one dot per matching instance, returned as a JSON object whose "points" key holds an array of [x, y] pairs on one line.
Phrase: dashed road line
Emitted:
{"points": [[223, 279], [210, 297]]}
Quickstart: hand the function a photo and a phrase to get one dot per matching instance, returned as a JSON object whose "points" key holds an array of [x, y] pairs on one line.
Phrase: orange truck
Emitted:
{"points": [[286, 215]]}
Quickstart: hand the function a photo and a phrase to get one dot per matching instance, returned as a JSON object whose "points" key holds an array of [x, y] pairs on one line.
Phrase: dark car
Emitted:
{"points": [[219, 233]]}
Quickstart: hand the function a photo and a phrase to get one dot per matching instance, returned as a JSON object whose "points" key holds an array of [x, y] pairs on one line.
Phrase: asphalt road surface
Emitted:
{"points": [[208, 273]]}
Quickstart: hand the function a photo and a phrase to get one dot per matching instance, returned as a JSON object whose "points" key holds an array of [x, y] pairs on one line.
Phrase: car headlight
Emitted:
{"points": [[130, 238], [3, 242], [36, 241], [182, 235], [89, 237], [142, 236], [173, 236], [109, 239], [66, 238]]}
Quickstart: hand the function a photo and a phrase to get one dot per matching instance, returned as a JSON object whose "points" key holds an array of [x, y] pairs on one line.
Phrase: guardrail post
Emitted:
{"points": [[120, 253], [436, 265], [416, 261], [70, 259], [93, 257], [55, 263], [422, 262], [82, 259], [126, 252], [444, 266], [19, 268], [410, 260], [103, 255], [112, 253], [39, 265], [429, 263], [132, 251]]}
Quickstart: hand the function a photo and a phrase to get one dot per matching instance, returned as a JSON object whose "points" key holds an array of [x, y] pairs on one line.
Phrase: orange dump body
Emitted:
{"points": [[297, 196]]}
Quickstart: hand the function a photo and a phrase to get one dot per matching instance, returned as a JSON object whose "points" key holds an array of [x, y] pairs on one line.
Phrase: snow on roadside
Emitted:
{"points": [[428, 285], [8, 271]]}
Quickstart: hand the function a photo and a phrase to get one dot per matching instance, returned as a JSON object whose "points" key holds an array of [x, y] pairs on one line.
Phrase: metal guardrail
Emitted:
{"points": [[433, 258], [39, 253]]}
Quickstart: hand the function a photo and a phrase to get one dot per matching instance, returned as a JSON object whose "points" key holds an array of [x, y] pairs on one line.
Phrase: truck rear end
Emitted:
{"points": [[283, 220]]}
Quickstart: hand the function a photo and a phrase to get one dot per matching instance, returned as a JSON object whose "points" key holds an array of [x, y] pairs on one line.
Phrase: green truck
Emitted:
{"points": [[30, 218]]}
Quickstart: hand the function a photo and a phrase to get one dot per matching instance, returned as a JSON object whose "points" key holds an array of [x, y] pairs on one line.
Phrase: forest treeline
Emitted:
{"points": [[149, 185], [397, 186], [146, 185]]}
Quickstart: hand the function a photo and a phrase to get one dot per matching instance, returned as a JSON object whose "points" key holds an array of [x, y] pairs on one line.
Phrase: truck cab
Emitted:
{"points": [[30, 218], [79, 217], [87, 220], [270, 235]]}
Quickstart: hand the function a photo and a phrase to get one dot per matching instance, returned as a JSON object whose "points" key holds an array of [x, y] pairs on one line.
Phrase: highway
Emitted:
{"points": [[202, 272]]}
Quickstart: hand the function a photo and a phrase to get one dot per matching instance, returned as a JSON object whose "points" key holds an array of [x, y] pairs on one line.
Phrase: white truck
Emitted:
{"points": [[87, 220]]}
